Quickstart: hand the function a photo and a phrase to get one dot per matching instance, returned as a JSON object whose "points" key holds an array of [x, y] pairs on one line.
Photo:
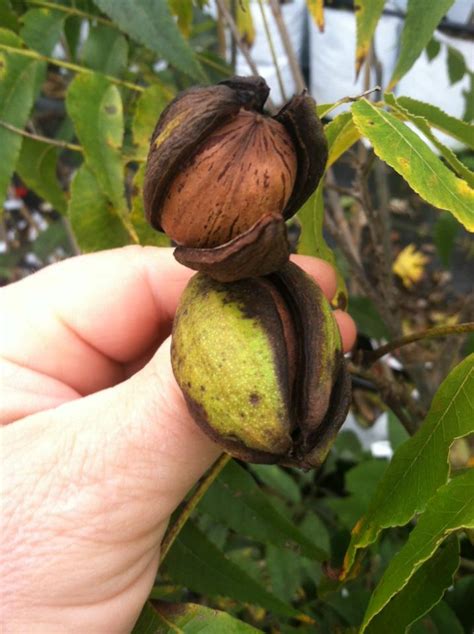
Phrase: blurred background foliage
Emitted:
{"points": [[379, 539]]}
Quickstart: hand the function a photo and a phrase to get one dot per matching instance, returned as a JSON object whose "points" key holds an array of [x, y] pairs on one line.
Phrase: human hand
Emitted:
{"points": [[101, 448]]}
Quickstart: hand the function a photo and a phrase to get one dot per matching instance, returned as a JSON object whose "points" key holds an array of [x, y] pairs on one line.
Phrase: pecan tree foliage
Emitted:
{"points": [[278, 548]]}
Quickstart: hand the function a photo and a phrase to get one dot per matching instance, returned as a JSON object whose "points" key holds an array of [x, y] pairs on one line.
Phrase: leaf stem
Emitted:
{"points": [[191, 504], [43, 139], [70, 11], [268, 35], [287, 45], [371, 356], [344, 100], [69, 65]]}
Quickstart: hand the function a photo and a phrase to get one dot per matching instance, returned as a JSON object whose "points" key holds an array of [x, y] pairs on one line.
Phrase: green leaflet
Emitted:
{"points": [[420, 465], [422, 17], [160, 617], [18, 84], [152, 24], [367, 13], [95, 107], [403, 150], [95, 222], [451, 508]]}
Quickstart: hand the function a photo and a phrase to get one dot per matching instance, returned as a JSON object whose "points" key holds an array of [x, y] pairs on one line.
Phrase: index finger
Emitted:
{"points": [[82, 321]]}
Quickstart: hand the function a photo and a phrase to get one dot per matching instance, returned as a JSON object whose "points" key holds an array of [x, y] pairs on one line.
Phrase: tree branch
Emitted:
{"points": [[371, 356], [191, 504], [43, 139]]}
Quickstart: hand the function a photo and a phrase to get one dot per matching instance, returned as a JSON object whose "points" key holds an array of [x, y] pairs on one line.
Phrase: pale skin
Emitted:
{"points": [[97, 447]]}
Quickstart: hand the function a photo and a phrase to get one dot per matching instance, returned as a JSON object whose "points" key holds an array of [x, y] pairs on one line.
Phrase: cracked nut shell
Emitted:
{"points": [[222, 177]]}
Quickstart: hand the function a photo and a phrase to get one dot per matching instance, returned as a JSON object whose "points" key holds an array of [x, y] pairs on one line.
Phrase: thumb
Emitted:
{"points": [[133, 447], [88, 488]]}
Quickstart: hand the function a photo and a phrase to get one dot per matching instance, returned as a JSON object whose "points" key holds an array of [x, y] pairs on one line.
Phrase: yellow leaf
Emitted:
{"points": [[316, 8], [410, 265], [245, 22]]}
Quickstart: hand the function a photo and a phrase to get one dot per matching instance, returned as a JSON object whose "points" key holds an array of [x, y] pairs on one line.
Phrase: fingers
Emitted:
{"points": [[347, 328], [89, 322], [323, 273], [97, 478], [81, 320], [325, 276]]}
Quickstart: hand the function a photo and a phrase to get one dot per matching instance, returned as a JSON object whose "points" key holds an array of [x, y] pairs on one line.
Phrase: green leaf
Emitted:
{"points": [[8, 19], [54, 237], [72, 35], [460, 600], [95, 107], [415, 589], [146, 234], [341, 134], [450, 509], [149, 106], [403, 150], [367, 318], [420, 466], [196, 563], [183, 10], [422, 124], [95, 222], [445, 231], [367, 15], [159, 617], [278, 479], [445, 619], [323, 108], [236, 500], [105, 50], [315, 529], [437, 118], [456, 65], [468, 95], [349, 602], [285, 572], [152, 24], [42, 29], [312, 242], [422, 17], [397, 434], [18, 77], [360, 483], [37, 168], [432, 49]]}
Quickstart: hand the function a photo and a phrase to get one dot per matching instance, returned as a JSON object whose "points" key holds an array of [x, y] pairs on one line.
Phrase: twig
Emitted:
{"points": [[70, 11], [344, 100], [235, 34], [221, 44], [383, 266], [191, 504], [383, 202], [371, 356], [43, 139], [68, 65], [211, 63], [340, 217], [394, 396], [268, 35], [287, 45]]}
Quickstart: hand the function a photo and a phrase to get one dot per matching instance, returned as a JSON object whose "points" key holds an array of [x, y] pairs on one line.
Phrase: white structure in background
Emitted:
{"points": [[294, 16], [332, 56]]}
